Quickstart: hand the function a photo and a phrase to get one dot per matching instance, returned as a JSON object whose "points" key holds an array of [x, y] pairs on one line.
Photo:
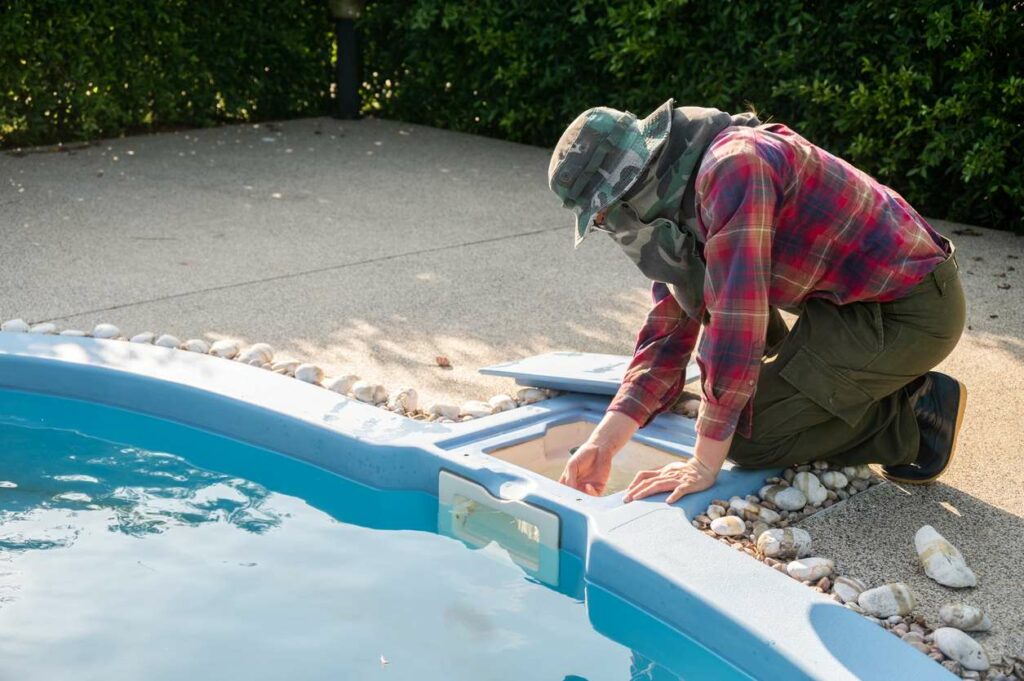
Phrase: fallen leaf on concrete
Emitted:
{"points": [[443, 362], [967, 231], [1004, 286]]}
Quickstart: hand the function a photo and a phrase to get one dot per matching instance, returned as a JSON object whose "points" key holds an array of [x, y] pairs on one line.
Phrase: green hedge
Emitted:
{"points": [[80, 69], [927, 95]]}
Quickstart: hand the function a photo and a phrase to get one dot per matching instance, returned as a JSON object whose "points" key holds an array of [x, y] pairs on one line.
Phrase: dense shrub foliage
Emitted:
{"points": [[74, 70], [927, 95]]}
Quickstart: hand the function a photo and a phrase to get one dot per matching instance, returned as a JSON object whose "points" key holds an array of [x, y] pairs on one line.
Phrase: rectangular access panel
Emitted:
{"points": [[577, 372]]}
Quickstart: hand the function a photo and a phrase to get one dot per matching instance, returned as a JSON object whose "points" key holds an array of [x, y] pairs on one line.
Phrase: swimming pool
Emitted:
{"points": [[235, 562], [638, 582]]}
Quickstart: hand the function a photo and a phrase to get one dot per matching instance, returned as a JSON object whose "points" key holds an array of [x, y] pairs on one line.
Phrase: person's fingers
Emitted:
{"points": [[650, 487], [640, 477], [644, 475], [655, 488], [636, 488], [570, 473], [590, 489], [679, 492]]}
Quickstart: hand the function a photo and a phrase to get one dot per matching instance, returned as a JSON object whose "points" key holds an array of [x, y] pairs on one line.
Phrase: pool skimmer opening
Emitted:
{"points": [[528, 534]]}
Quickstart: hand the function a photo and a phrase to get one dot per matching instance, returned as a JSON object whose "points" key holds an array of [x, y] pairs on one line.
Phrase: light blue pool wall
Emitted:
{"points": [[646, 552]]}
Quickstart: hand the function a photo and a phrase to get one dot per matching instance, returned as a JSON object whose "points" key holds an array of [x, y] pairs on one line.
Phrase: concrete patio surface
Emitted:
{"points": [[371, 247]]}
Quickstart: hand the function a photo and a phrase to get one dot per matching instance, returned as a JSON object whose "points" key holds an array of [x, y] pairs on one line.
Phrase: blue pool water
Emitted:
{"points": [[134, 548]]}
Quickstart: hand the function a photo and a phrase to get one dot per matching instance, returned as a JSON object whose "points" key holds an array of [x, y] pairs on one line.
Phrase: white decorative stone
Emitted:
{"points": [[728, 526], [47, 328], [146, 337], [285, 367], [811, 486], [848, 588], [759, 528], [810, 568], [887, 600], [834, 480], [15, 326], [225, 348], [260, 352], [363, 391], [849, 471], [715, 511], [959, 646], [475, 409], [530, 395], [106, 331], [196, 345], [941, 560], [753, 511], [964, 617], [404, 401], [445, 411], [501, 403], [310, 373], [786, 498], [167, 341], [863, 472], [790, 542], [341, 384], [72, 332]]}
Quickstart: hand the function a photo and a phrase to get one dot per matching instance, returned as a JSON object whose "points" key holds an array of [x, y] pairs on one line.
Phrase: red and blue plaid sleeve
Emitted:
{"points": [[738, 193], [655, 377]]}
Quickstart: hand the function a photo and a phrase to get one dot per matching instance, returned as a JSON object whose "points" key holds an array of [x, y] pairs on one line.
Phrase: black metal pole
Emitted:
{"points": [[348, 70]]}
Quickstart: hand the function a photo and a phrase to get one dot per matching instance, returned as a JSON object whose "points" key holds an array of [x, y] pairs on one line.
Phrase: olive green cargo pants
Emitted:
{"points": [[832, 387]]}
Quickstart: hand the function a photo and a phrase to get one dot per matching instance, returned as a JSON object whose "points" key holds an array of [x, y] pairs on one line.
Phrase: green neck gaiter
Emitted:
{"points": [[655, 222]]}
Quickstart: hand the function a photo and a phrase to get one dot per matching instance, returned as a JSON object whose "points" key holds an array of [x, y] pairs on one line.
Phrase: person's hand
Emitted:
{"points": [[588, 469], [679, 477], [591, 465]]}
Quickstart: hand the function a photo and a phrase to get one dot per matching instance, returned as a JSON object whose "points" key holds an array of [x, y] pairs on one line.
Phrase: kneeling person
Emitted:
{"points": [[732, 221]]}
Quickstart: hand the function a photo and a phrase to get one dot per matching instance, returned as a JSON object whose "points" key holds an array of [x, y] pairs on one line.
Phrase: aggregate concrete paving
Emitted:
{"points": [[371, 247]]}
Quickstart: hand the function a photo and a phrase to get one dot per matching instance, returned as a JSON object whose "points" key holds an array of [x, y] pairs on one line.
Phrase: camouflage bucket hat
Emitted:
{"points": [[599, 157]]}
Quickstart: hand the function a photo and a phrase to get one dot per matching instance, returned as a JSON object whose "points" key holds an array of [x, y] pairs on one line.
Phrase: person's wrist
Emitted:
{"points": [[704, 469], [613, 433]]}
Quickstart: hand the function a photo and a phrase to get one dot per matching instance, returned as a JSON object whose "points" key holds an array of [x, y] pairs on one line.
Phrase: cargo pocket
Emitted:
{"points": [[826, 386]]}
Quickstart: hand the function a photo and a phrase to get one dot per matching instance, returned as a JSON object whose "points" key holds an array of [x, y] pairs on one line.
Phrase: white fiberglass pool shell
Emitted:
{"points": [[766, 624]]}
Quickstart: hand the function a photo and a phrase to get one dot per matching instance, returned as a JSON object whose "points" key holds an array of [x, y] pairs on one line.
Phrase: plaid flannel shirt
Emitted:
{"points": [[783, 221]]}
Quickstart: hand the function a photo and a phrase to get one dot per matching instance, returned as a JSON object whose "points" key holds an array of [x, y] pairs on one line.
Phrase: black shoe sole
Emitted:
{"points": [[961, 406]]}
